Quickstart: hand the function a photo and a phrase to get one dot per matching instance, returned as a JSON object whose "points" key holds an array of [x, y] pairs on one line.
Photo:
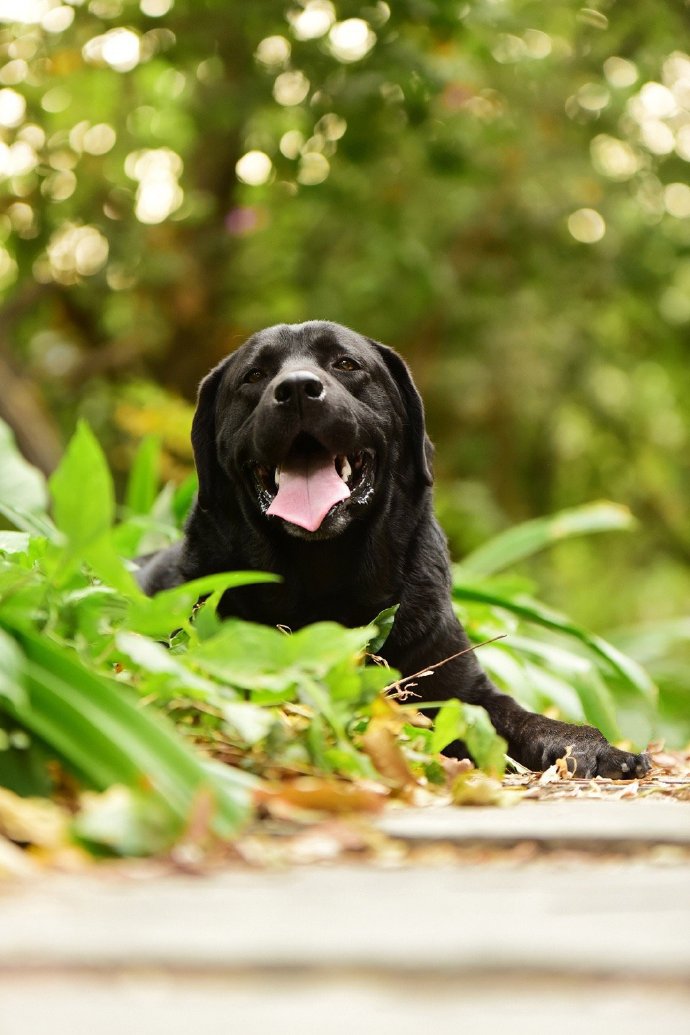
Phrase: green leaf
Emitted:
{"points": [[320, 646], [248, 720], [153, 659], [183, 498], [598, 704], [459, 721], [98, 727], [124, 820], [532, 536], [26, 521], [12, 686], [383, 623], [247, 655], [160, 615], [84, 506], [21, 484], [581, 695], [142, 484], [82, 491], [449, 725], [531, 611], [14, 542], [483, 743]]}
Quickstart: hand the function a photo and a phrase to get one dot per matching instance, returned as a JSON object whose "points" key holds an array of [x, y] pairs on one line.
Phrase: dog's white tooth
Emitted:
{"points": [[276, 477], [345, 470]]}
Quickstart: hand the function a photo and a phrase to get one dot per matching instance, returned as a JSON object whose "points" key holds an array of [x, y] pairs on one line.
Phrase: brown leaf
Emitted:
{"points": [[453, 767], [323, 795], [383, 749], [567, 765]]}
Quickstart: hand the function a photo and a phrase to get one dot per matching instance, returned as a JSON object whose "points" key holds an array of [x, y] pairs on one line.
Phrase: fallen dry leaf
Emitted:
{"points": [[476, 788], [14, 862], [33, 821], [383, 749], [550, 775], [322, 795]]}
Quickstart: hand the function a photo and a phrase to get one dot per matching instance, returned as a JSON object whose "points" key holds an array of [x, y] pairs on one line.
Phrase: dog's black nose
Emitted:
{"points": [[296, 385]]}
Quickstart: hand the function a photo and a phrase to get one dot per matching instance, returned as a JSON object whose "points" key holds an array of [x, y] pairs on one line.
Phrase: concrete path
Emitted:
{"points": [[566, 944]]}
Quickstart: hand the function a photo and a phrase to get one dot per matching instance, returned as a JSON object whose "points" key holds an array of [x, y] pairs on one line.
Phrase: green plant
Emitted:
{"points": [[150, 696]]}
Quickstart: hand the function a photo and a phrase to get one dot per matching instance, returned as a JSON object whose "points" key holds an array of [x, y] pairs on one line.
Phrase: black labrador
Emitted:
{"points": [[314, 463]]}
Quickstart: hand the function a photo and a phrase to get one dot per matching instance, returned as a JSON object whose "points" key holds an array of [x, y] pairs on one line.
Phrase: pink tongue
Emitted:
{"points": [[309, 486]]}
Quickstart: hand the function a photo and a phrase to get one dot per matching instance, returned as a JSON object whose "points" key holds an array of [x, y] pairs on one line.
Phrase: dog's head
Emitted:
{"points": [[309, 426]]}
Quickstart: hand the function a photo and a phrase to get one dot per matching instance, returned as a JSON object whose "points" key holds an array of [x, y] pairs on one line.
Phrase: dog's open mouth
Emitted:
{"points": [[310, 482]]}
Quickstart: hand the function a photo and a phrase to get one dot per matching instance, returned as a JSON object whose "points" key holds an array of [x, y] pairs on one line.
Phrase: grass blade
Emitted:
{"points": [[530, 611], [142, 484], [97, 726], [532, 536]]}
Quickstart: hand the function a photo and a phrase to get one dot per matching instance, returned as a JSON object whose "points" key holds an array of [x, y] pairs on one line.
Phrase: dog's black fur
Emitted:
{"points": [[285, 390]]}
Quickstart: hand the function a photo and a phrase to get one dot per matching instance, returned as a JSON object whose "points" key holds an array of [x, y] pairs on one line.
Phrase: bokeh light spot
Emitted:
{"points": [[614, 158], [254, 168], [76, 250], [273, 52], [14, 72], [677, 200], [657, 137], [537, 43], [593, 96], [99, 139], [155, 8], [351, 40], [313, 21], [291, 143], [313, 168], [658, 100], [56, 100], [620, 72], [291, 88], [586, 225], [58, 19], [12, 108], [120, 48]]}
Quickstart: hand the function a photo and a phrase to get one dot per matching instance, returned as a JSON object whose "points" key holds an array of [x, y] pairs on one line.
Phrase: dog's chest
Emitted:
{"points": [[298, 602]]}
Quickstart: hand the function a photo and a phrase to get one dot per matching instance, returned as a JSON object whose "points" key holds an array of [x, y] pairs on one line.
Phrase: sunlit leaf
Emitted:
{"points": [[532, 536], [531, 611], [142, 484], [12, 686], [21, 485]]}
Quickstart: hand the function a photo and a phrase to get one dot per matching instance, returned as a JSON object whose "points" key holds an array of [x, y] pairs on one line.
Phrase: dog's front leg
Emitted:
{"points": [[536, 742], [533, 740]]}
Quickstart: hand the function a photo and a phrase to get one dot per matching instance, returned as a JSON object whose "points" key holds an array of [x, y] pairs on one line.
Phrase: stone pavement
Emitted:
{"points": [[568, 943]]}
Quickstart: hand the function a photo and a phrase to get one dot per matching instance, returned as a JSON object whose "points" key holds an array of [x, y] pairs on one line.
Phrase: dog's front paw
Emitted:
{"points": [[587, 750]]}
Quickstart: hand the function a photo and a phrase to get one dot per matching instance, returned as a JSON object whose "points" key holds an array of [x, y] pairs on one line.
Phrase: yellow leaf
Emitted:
{"points": [[383, 749]]}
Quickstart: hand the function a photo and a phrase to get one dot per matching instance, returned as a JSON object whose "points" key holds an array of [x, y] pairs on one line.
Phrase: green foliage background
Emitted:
{"points": [[433, 189]]}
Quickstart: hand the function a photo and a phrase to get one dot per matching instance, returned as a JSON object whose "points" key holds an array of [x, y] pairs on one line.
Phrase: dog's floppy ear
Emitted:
{"points": [[414, 409], [208, 469]]}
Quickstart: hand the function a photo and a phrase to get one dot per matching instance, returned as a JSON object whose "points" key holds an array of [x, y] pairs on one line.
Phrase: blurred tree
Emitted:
{"points": [[497, 187]]}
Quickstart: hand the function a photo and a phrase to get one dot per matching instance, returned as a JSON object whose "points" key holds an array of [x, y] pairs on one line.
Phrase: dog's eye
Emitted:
{"points": [[345, 363], [254, 375]]}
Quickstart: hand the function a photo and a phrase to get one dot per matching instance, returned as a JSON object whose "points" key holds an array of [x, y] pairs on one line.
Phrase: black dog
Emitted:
{"points": [[314, 463]]}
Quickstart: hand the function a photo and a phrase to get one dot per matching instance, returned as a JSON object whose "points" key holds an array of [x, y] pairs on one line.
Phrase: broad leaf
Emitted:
{"points": [[82, 491]]}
